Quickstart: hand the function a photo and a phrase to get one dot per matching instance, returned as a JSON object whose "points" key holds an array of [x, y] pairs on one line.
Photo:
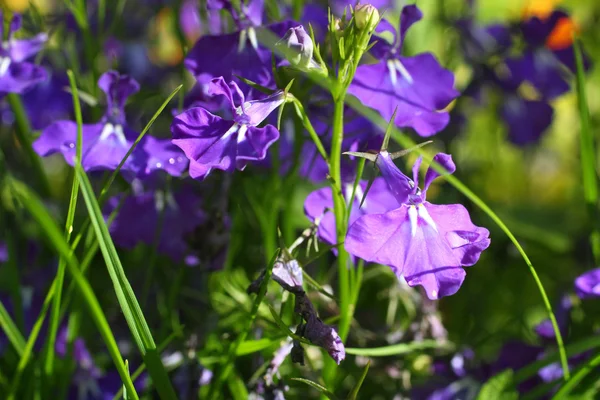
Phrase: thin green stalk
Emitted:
{"points": [[54, 235], [339, 209], [60, 273], [588, 156], [23, 130], [581, 373], [227, 367], [461, 187]]}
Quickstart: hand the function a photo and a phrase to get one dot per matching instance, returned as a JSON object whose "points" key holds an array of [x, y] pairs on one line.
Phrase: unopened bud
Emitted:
{"points": [[366, 16], [297, 40]]}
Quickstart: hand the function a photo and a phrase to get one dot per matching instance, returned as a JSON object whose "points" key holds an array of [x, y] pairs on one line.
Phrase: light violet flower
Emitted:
{"points": [[211, 142], [588, 284], [16, 73], [425, 243], [418, 87]]}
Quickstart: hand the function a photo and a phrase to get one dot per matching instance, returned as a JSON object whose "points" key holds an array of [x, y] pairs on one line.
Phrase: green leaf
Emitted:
{"points": [[37, 209], [499, 387], [397, 349], [322, 389], [252, 346], [588, 154], [125, 294], [354, 393], [60, 272], [12, 332]]}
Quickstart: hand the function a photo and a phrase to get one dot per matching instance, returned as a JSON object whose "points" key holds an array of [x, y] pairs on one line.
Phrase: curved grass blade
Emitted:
{"points": [[354, 393], [322, 389], [60, 273], [125, 294], [12, 332], [397, 349], [35, 207], [577, 377], [588, 154], [108, 183]]}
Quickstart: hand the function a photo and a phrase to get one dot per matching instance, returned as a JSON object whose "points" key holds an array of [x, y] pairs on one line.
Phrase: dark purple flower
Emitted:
{"points": [[3, 252], [545, 330], [170, 215], [418, 87], [427, 244], [237, 53], [48, 101], [526, 119], [211, 142], [318, 206], [588, 285], [17, 74]]}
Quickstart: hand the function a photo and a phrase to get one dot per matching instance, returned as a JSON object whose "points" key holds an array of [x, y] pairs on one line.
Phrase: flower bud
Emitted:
{"points": [[301, 45], [366, 16]]}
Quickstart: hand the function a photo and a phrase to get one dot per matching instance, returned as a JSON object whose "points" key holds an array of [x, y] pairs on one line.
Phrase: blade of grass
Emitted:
{"points": [[60, 273], [125, 294], [23, 131], [322, 389], [397, 349], [588, 154], [354, 393], [12, 332], [35, 207], [107, 185], [581, 373]]}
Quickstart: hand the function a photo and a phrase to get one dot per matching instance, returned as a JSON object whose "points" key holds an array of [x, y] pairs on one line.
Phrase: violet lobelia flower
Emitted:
{"points": [[588, 284], [105, 143], [238, 53], [318, 206], [425, 243], [417, 86], [212, 142], [16, 73]]}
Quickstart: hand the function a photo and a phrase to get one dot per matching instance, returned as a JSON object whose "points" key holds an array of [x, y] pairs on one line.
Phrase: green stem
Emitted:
{"points": [[339, 209], [23, 130], [579, 375]]}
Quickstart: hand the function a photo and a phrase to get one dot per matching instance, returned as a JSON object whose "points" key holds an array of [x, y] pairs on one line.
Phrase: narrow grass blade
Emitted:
{"points": [[398, 349], [60, 273], [322, 389], [23, 131], [104, 191], [35, 207], [354, 393], [588, 154], [581, 373], [125, 294], [12, 332]]}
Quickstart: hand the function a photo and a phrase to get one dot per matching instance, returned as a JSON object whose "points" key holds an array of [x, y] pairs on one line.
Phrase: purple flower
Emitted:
{"points": [[418, 87], [211, 142], [318, 206], [105, 143], [16, 73], [237, 53], [427, 244], [170, 215], [48, 101], [301, 47], [3, 252], [545, 330], [588, 285]]}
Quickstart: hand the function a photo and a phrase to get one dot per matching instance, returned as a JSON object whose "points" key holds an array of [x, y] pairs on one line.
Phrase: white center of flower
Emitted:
{"points": [[395, 67], [247, 34], [116, 130], [416, 212], [4, 64]]}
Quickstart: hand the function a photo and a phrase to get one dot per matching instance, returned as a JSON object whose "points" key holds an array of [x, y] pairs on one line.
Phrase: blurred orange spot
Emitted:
{"points": [[562, 35], [539, 8]]}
